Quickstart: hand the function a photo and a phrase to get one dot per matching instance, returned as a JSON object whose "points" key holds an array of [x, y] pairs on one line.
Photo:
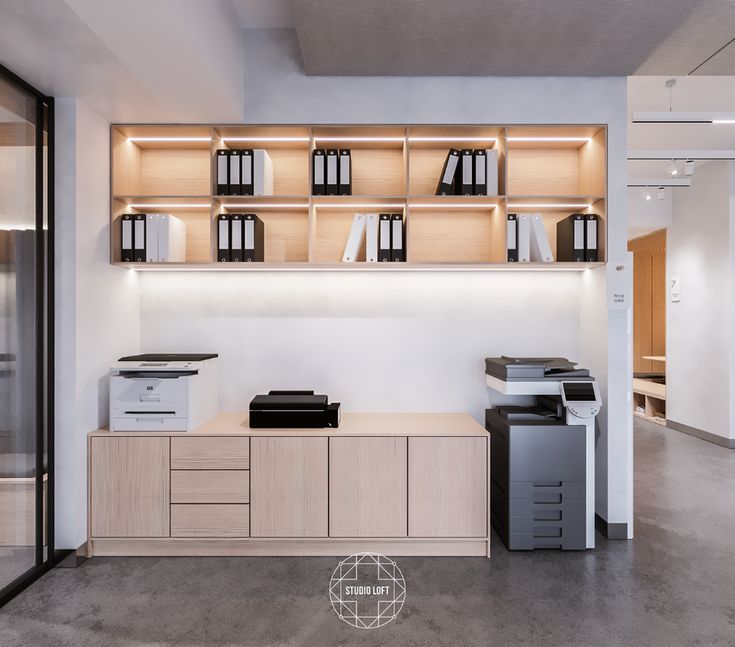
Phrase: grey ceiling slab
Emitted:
{"points": [[483, 37], [710, 26], [721, 64]]}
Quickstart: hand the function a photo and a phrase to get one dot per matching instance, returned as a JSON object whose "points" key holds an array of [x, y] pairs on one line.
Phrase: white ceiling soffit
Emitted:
{"points": [[138, 60], [659, 181], [477, 37], [49, 46], [186, 53], [683, 117], [705, 96], [263, 14], [703, 44]]}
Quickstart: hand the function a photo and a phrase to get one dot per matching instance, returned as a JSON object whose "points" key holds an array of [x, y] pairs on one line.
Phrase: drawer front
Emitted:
{"points": [[210, 520], [210, 486], [214, 453]]}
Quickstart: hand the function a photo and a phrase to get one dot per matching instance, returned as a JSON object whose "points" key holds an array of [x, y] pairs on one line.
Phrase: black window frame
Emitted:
{"points": [[46, 556]]}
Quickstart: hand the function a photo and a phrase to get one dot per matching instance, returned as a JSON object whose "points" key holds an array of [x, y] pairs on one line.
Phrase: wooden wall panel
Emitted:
{"points": [[658, 315], [642, 311], [649, 300], [543, 171], [445, 236]]}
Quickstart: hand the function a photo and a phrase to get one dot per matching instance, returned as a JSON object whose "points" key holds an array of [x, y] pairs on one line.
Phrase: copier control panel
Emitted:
{"points": [[581, 399], [169, 366]]}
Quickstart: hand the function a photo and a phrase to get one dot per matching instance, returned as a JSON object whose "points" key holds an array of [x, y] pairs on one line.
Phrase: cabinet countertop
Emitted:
{"points": [[351, 424]]}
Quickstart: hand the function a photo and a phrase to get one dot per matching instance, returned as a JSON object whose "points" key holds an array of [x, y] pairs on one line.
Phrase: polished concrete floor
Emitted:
{"points": [[673, 585], [14, 561]]}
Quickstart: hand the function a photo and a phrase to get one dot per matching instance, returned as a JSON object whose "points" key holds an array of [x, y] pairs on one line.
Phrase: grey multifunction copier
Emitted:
{"points": [[543, 455]]}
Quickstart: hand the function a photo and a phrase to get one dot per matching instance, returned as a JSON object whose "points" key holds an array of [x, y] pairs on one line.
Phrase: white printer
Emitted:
{"points": [[163, 392]]}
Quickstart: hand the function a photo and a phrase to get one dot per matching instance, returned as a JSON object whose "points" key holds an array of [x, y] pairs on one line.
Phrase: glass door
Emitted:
{"points": [[25, 386]]}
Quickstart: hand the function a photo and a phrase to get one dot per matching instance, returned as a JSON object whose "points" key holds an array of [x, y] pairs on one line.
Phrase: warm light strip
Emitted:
{"points": [[266, 139], [546, 205], [723, 121], [359, 139], [548, 139], [169, 206], [452, 205], [354, 205], [362, 267], [452, 139], [169, 139], [254, 205]]}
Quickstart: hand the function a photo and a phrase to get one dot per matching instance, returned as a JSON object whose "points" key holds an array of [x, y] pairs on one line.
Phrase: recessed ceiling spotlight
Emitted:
{"points": [[689, 167]]}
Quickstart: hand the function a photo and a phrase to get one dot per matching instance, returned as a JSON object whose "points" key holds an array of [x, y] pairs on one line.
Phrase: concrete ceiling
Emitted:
{"points": [[512, 37], [704, 44]]}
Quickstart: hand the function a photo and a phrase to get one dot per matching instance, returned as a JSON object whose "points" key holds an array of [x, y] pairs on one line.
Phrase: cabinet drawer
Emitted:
{"points": [[217, 453], [210, 486], [210, 520]]}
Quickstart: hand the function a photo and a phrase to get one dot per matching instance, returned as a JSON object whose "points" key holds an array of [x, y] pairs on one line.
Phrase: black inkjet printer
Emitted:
{"points": [[293, 409]]}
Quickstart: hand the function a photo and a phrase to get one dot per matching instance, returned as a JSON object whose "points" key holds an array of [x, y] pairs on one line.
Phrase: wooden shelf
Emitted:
{"points": [[651, 397], [550, 170], [360, 267]]}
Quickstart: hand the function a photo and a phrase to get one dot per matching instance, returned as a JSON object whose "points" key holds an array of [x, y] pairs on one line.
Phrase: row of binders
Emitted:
{"points": [[384, 236], [469, 172], [576, 239], [240, 238], [331, 171], [152, 238], [244, 172]]}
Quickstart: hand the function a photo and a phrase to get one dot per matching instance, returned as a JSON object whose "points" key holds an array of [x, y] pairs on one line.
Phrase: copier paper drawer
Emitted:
{"points": [[149, 422], [148, 404]]}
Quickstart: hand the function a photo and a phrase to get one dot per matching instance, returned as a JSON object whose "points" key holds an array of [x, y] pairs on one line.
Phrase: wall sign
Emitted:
{"points": [[618, 285], [675, 284]]}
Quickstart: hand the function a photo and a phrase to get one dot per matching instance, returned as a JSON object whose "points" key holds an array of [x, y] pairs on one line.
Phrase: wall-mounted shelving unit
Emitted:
{"points": [[552, 170]]}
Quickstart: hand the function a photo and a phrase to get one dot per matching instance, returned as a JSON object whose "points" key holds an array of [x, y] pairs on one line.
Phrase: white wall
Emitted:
{"points": [[328, 331], [699, 331], [97, 306], [646, 216], [375, 342]]}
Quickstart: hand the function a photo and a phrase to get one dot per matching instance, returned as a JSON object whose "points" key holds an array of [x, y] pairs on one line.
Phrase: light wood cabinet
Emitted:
{"points": [[210, 486], [129, 486], [209, 520], [289, 487], [447, 487], [219, 453], [368, 487], [397, 484]]}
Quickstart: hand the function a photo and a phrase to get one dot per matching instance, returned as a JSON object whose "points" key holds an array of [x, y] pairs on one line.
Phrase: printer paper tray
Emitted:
{"points": [[149, 422]]}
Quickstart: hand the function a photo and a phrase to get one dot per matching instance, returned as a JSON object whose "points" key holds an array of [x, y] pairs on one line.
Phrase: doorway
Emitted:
{"points": [[649, 326]]}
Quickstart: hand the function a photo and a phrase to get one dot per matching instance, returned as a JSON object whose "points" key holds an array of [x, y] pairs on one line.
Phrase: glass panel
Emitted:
{"points": [[18, 362]]}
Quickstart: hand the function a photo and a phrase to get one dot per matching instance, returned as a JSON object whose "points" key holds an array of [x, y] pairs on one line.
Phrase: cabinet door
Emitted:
{"points": [[288, 487], [368, 487], [447, 487], [129, 487]]}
